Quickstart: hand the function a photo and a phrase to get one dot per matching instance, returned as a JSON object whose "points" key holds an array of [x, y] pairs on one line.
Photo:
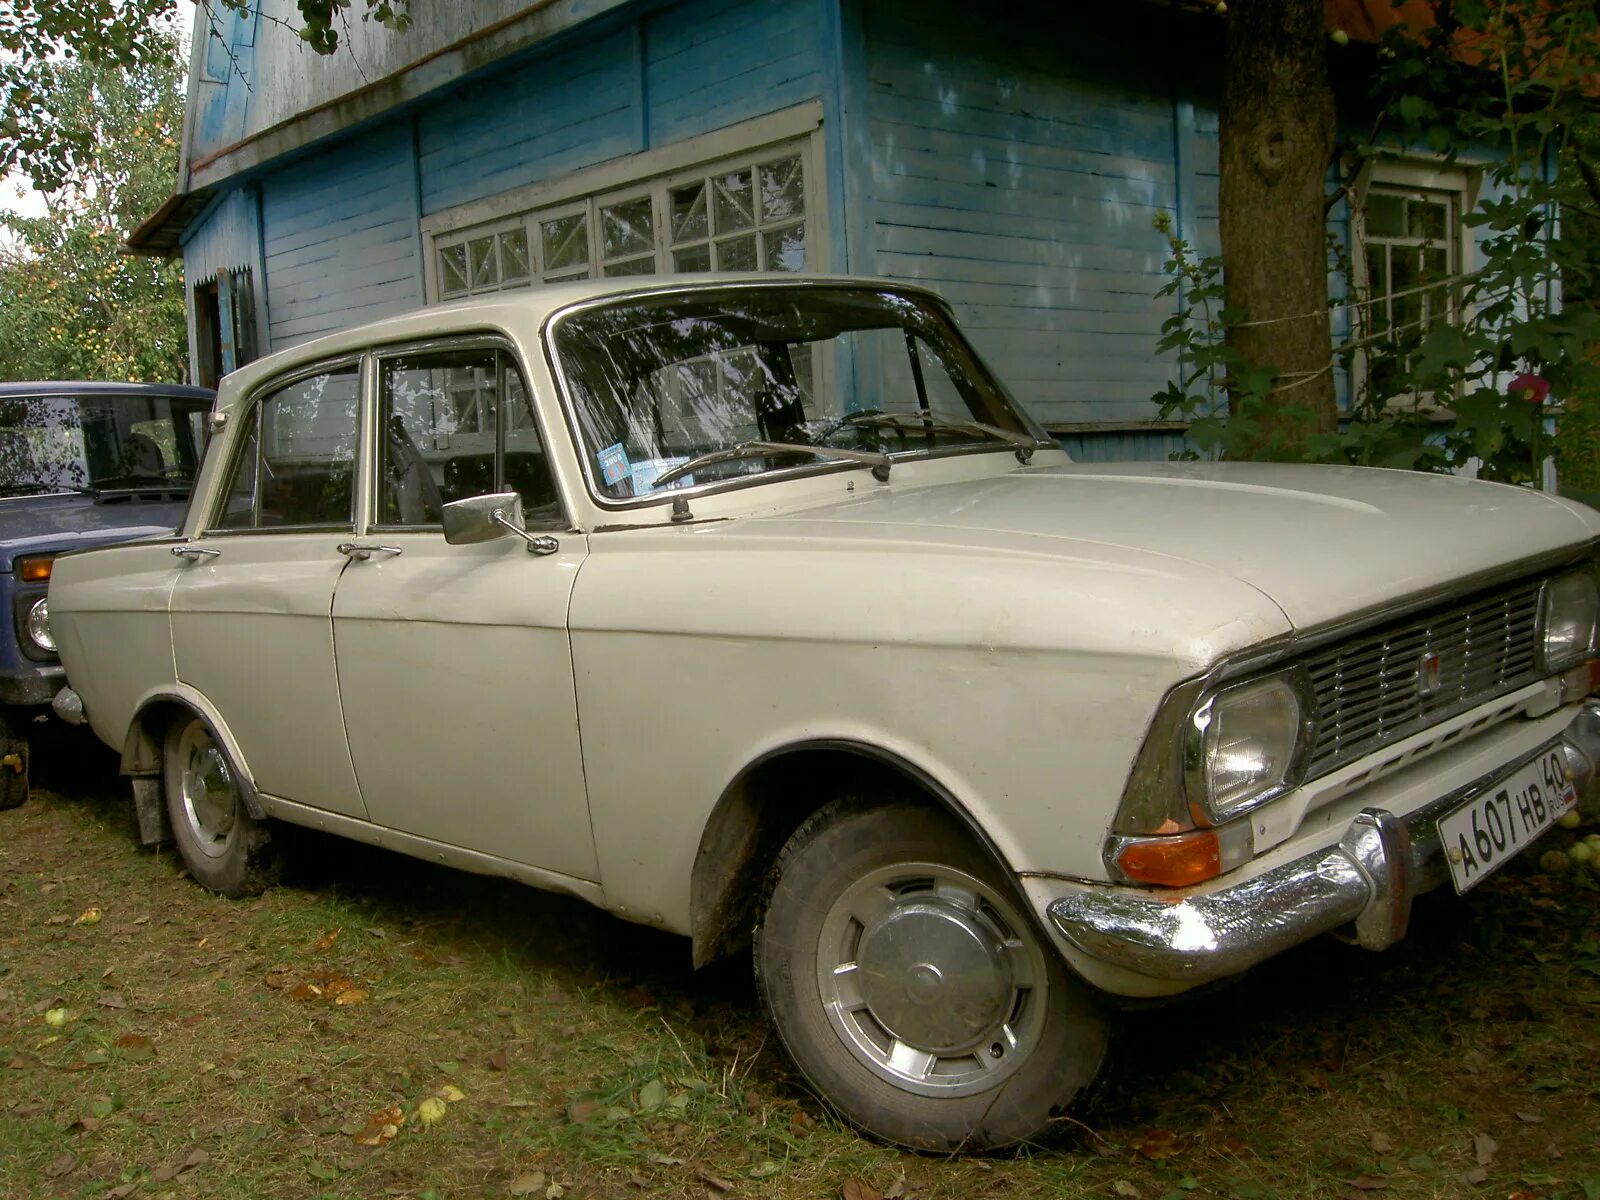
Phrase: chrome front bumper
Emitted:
{"points": [[1366, 880]]}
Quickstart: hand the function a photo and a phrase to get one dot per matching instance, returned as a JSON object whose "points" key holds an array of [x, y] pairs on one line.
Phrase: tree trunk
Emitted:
{"points": [[1276, 144]]}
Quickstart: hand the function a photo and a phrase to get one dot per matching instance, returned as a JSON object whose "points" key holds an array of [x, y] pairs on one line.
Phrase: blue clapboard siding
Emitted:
{"points": [[660, 77], [566, 109], [340, 236], [712, 63], [1156, 445], [1017, 163], [223, 240]]}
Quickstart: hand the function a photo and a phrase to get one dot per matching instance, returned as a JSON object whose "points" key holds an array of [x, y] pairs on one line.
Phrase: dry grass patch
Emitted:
{"points": [[379, 1027]]}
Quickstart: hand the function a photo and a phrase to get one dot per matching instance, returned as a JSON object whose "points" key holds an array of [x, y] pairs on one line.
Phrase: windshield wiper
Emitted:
{"points": [[911, 421], [880, 463]]}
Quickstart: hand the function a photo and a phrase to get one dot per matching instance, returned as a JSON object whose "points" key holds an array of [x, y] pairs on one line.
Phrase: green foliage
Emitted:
{"points": [[1485, 383], [42, 39], [72, 306]]}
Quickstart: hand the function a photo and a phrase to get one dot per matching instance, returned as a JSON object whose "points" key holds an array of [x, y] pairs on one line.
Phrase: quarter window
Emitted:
{"points": [[296, 462], [749, 213]]}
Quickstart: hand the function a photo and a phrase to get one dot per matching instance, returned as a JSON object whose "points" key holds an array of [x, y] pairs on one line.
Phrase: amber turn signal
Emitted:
{"points": [[1173, 861], [34, 570]]}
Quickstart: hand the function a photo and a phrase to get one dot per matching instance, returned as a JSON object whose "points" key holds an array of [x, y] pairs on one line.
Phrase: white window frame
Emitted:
{"points": [[1461, 183], [654, 173]]}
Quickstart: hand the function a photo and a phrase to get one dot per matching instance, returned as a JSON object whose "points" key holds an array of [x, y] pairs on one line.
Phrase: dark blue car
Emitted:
{"points": [[81, 464]]}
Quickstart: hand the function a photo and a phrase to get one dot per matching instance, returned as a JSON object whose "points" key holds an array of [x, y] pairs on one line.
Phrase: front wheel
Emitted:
{"points": [[224, 847], [911, 990]]}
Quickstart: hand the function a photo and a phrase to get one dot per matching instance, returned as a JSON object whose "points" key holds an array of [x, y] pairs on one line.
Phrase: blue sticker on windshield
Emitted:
{"points": [[613, 464]]}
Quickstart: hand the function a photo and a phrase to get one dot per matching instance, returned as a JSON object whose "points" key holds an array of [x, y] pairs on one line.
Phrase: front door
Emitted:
{"points": [[251, 609], [454, 664]]}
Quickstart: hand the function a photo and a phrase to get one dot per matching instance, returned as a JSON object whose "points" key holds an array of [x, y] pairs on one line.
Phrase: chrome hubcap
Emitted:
{"points": [[210, 800], [932, 979]]}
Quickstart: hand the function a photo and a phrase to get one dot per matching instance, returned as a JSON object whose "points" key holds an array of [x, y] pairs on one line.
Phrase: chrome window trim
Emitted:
{"points": [[1158, 773], [251, 408], [564, 389]]}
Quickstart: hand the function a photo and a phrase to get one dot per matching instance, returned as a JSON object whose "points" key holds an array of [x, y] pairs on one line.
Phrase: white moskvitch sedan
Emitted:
{"points": [[754, 609]]}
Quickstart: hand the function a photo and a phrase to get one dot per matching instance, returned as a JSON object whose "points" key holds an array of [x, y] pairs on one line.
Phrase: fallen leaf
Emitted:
{"points": [[765, 1168], [1158, 1144], [1476, 1175], [307, 991], [349, 996], [89, 916], [24, 1062], [1123, 1188], [451, 1093], [653, 1095], [111, 1000], [554, 1192], [1382, 1143], [722, 1185], [583, 1112], [135, 1047], [854, 1189], [381, 1126], [1484, 1148], [328, 938], [1370, 1183], [278, 978], [528, 1185], [499, 1060], [1530, 1118], [86, 1124], [122, 1192], [57, 920], [60, 1165], [323, 1171]]}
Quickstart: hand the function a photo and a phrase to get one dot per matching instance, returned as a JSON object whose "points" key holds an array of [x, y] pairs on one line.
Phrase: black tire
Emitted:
{"points": [[911, 989], [224, 848], [13, 761]]}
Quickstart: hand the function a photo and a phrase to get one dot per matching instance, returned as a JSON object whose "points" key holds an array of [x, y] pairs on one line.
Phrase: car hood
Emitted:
{"points": [[54, 524], [1320, 542]]}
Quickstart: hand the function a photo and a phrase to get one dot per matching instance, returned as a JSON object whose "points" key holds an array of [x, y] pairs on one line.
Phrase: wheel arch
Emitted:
{"points": [[766, 802], [143, 746]]}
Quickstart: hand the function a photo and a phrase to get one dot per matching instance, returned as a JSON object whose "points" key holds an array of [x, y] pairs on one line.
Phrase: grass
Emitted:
{"points": [[181, 1045]]}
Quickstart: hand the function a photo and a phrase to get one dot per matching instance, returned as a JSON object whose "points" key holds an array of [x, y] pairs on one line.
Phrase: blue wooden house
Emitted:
{"points": [[1012, 155]]}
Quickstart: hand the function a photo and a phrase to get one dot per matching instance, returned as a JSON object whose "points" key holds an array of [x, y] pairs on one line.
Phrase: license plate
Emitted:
{"points": [[1483, 833]]}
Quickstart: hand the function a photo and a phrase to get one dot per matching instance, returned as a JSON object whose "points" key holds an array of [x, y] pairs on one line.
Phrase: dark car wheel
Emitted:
{"points": [[13, 761], [911, 989], [221, 844]]}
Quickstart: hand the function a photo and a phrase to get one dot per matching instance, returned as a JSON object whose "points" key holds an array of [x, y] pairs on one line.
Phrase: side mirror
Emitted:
{"points": [[484, 518]]}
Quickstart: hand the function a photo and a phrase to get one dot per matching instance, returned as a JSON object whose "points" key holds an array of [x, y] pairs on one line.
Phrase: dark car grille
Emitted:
{"points": [[1392, 681]]}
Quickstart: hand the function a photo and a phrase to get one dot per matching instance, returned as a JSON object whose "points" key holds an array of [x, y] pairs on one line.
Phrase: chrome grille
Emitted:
{"points": [[1392, 681]]}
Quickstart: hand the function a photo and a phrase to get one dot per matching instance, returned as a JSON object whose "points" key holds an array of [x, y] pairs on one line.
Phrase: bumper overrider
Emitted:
{"points": [[1367, 881]]}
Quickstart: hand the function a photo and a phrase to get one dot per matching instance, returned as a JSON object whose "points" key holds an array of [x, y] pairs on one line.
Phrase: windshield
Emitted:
{"points": [[95, 441], [659, 381]]}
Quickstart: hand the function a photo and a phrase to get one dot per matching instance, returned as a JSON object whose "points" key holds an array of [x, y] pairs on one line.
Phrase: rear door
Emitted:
{"points": [[252, 628]]}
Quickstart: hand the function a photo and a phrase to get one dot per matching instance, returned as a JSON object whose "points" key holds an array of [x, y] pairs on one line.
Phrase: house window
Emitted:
{"points": [[1410, 257], [747, 213]]}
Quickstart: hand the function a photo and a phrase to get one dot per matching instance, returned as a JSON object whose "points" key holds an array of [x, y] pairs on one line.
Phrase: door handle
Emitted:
{"points": [[361, 553], [194, 553]]}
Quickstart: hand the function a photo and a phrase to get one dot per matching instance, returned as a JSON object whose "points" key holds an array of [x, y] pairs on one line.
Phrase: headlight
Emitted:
{"points": [[1568, 610], [1244, 744], [37, 625]]}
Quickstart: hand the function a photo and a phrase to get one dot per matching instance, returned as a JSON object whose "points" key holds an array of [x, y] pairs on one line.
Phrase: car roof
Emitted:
{"points": [[524, 309], [101, 387]]}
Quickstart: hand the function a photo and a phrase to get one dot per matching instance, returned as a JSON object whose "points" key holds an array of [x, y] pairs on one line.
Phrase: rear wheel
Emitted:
{"points": [[911, 989], [13, 760], [221, 844]]}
